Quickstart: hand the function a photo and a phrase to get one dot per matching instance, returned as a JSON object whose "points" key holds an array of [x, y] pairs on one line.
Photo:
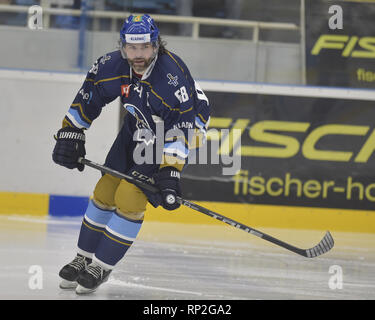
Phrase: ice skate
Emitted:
{"points": [[69, 273], [91, 278]]}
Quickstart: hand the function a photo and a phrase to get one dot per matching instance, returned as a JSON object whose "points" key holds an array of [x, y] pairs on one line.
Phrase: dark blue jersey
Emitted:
{"points": [[166, 94]]}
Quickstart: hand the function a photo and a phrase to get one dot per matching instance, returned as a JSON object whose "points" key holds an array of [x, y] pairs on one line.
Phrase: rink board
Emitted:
{"points": [[290, 113], [287, 150], [254, 215]]}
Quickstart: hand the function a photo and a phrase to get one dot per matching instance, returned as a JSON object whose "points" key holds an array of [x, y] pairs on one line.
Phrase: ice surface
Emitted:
{"points": [[188, 262]]}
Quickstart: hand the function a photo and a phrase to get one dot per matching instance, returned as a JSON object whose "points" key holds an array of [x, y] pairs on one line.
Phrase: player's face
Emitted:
{"points": [[139, 55]]}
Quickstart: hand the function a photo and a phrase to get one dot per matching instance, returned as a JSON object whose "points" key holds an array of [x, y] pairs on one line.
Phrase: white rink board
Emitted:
{"points": [[33, 105]]}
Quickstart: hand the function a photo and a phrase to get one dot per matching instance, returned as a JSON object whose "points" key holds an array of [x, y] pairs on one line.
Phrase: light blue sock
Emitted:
{"points": [[117, 238], [92, 228]]}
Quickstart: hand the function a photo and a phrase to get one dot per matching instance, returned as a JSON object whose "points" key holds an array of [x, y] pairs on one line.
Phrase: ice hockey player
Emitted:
{"points": [[156, 88]]}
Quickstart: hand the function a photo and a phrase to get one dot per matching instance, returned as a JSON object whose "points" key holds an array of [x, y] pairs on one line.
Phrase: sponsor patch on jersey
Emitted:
{"points": [[125, 90], [173, 80], [183, 125]]}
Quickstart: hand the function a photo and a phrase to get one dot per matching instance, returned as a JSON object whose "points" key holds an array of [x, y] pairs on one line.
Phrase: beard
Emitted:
{"points": [[140, 65]]}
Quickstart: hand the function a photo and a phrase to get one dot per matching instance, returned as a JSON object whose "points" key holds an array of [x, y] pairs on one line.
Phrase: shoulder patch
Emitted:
{"points": [[173, 80], [102, 60]]}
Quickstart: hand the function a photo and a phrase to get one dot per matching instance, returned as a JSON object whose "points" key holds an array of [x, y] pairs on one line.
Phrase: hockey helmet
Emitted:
{"points": [[139, 29]]}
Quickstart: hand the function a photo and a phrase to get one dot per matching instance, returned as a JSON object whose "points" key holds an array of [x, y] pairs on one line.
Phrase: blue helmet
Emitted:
{"points": [[139, 29]]}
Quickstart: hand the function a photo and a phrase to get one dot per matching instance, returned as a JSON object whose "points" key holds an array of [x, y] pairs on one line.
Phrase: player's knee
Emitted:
{"points": [[130, 201], [104, 192]]}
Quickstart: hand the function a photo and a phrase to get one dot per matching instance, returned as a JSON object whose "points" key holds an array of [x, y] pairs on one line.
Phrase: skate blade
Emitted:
{"points": [[83, 290], [68, 285]]}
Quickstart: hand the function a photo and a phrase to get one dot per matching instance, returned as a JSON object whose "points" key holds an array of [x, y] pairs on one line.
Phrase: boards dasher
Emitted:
{"points": [[158, 91]]}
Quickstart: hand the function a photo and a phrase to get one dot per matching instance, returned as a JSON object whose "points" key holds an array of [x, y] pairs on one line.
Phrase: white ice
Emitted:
{"points": [[188, 262]]}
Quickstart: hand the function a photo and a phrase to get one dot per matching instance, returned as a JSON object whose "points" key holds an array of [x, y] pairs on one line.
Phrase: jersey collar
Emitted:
{"points": [[148, 71]]}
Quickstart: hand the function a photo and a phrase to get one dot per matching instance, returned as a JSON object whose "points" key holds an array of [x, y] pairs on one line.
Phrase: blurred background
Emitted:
{"points": [[256, 33]]}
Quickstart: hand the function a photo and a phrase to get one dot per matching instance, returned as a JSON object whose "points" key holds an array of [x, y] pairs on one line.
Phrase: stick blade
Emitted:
{"points": [[322, 247]]}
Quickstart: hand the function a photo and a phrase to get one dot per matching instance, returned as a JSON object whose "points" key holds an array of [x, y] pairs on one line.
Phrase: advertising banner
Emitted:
{"points": [[287, 150], [340, 43]]}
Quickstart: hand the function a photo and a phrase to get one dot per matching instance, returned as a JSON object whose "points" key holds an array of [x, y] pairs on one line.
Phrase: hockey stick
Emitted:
{"points": [[323, 246]]}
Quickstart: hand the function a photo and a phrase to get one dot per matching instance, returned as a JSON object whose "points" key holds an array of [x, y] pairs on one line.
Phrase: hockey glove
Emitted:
{"points": [[70, 145], [168, 182]]}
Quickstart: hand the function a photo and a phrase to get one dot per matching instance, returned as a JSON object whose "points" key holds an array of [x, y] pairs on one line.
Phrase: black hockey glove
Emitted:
{"points": [[70, 145], [168, 182]]}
